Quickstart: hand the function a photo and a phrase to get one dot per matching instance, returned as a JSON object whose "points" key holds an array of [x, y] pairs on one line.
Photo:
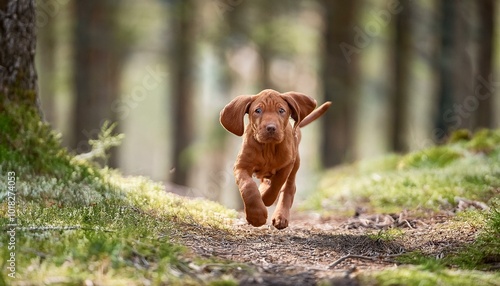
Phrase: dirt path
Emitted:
{"points": [[317, 249]]}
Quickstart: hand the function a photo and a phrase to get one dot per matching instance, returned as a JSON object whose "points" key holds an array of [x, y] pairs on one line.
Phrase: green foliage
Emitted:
{"points": [[28, 141], [79, 224], [434, 157], [419, 276], [45, 171], [223, 283], [105, 141], [428, 179], [468, 167], [485, 251], [426, 263], [458, 267], [485, 141], [76, 242], [459, 135], [386, 235], [127, 236]]}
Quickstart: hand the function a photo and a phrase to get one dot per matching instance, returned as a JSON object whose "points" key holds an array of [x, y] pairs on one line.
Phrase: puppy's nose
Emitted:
{"points": [[271, 128]]}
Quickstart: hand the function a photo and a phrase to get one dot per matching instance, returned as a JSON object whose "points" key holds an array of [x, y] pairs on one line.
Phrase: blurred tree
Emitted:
{"points": [[495, 89], [263, 36], [98, 56], [374, 111], [18, 78], [467, 58], [484, 43], [46, 60], [181, 60], [401, 53], [417, 77], [228, 34], [338, 75], [273, 39], [463, 60], [446, 89]]}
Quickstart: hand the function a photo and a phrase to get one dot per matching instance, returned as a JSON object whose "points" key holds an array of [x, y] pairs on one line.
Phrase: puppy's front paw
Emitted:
{"points": [[280, 221], [256, 214]]}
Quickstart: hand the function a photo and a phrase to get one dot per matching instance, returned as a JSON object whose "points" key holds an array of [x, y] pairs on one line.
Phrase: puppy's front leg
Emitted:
{"points": [[270, 190], [281, 215], [255, 210]]}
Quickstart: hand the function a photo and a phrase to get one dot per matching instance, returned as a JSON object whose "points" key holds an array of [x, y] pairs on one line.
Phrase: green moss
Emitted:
{"points": [[485, 140], [224, 283], [434, 157], [30, 148], [464, 266], [81, 223], [460, 135], [419, 276], [417, 258], [426, 179], [484, 253], [387, 235]]}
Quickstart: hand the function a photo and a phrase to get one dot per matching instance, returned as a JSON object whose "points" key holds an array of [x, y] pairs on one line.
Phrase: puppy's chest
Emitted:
{"points": [[269, 162]]}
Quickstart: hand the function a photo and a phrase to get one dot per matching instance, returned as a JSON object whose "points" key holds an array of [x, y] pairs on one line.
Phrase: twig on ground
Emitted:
{"points": [[48, 227], [349, 256], [65, 227], [353, 256]]}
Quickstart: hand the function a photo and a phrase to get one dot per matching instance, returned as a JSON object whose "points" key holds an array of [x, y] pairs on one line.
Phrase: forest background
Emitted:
{"points": [[402, 75]]}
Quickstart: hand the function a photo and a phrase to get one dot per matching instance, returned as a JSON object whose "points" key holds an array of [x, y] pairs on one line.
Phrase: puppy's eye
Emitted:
{"points": [[282, 110], [258, 110]]}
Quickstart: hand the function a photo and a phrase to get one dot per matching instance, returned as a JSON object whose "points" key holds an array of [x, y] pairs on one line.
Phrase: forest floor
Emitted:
{"points": [[430, 217], [324, 250]]}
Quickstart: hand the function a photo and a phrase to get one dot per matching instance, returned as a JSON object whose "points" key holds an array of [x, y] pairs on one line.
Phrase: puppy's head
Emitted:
{"points": [[269, 113]]}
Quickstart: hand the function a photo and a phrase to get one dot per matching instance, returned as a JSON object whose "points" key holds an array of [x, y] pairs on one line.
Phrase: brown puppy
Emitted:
{"points": [[269, 150]]}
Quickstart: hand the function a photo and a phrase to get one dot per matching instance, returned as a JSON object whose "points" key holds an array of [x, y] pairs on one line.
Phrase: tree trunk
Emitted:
{"points": [[484, 43], [181, 62], [46, 60], [463, 65], [495, 91], [265, 45], [467, 94], [376, 94], [417, 75], [338, 73], [220, 177], [97, 67], [402, 50], [445, 102], [18, 78]]}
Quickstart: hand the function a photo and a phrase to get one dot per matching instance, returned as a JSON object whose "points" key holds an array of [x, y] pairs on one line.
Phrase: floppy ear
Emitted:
{"points": [[300, 104], [231, 116]]}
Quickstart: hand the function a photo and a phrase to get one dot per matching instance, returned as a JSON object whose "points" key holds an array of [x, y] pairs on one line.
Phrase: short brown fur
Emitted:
{"points": [[269, 150]]}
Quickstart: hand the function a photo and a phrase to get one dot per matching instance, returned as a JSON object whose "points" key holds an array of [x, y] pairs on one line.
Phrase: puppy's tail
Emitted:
{"points": [[315, 114]]}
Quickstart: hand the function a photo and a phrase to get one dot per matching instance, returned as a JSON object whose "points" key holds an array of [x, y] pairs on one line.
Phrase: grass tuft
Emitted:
{"points": [[484, 253], [78, 224], [429, 179], [419, 276]]}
